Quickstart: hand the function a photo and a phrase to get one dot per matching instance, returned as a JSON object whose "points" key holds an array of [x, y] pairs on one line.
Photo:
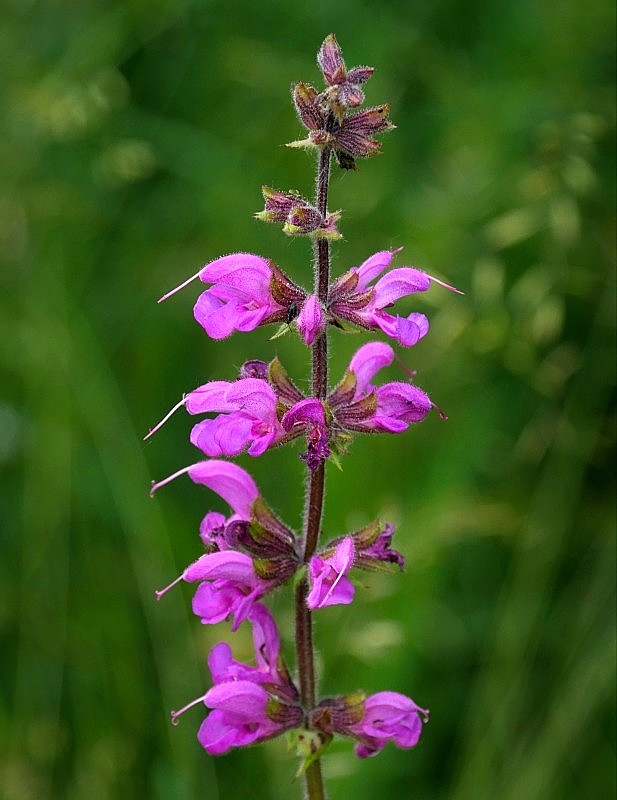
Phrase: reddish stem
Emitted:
{"points": [[315, 494]]}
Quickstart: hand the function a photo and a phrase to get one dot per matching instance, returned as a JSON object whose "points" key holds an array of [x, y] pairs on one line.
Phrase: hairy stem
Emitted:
{"points": [[315, 494]]}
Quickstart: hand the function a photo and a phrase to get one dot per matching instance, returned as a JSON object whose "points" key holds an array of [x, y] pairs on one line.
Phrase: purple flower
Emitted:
{"points": [[328, 584], [247, 291], [372, 548], [388, 717], [212, 530], [266, 643], [239, 717], [310, 320], [373, 721], [309, 414], [354, 298], [228, 586], [270, 669], [230, 581], [247, 417], [249, 704], [390, 408], [248, 420], [373, 552]]}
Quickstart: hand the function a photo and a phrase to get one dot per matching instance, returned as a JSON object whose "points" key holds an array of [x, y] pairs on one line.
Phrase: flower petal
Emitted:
{"points": [[310, 320], [399, 283], [229, 481], [255, 268], [254, 395], [308, 410], [209, 397], [366, 362], [373, 267]]}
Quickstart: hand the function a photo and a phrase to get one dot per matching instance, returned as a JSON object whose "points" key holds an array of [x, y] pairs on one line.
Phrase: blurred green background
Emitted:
{"points": [[136, 136]]}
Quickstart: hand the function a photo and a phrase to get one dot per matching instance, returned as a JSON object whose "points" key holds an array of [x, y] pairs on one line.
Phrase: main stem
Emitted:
{"points": [[315, 495]]}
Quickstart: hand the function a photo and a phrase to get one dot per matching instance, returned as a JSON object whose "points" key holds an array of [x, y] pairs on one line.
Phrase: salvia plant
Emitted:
{"points": [[251, 552]]}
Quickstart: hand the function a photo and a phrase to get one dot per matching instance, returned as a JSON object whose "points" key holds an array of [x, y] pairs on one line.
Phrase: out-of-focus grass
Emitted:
{"points": [[136, 139]]}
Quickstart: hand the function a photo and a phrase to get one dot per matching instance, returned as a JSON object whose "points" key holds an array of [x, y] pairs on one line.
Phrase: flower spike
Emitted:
{"points": [[248, 552]]}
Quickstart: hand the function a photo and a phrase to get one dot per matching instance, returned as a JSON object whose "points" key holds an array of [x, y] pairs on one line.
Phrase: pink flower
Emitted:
{"points": [[373, 721], [228, 586], [249, 704], [377, 550], [243, 713], [269, 667], [390, 408], [310, 320], [248, 420], [310, 415], [372, 548], [388, 717], [328, 584], [247, 417], [353, 297], [247, 291], [230, 581]]}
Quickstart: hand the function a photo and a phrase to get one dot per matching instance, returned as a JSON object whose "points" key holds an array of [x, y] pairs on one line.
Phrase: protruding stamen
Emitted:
{"points": [[164, 420], [170, 478], [177, 289], [410, 372], [446, 285], [331, 589], [160, 592], [176, 714], [441, 412]]}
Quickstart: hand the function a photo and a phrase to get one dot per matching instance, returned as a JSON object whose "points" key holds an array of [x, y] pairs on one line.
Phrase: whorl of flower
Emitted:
{"points": [[265, 408], [249, 703], [372, 721], [350, 136], [353, 297], [298, 215]]}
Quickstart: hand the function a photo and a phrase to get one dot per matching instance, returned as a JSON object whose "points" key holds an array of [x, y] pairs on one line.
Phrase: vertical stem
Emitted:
{"points": [[315, 495]]}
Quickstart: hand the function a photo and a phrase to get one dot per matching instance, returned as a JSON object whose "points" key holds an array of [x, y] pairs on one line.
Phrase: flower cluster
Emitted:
{"points": [[257, 413], [249, 291], [250, 553]]}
